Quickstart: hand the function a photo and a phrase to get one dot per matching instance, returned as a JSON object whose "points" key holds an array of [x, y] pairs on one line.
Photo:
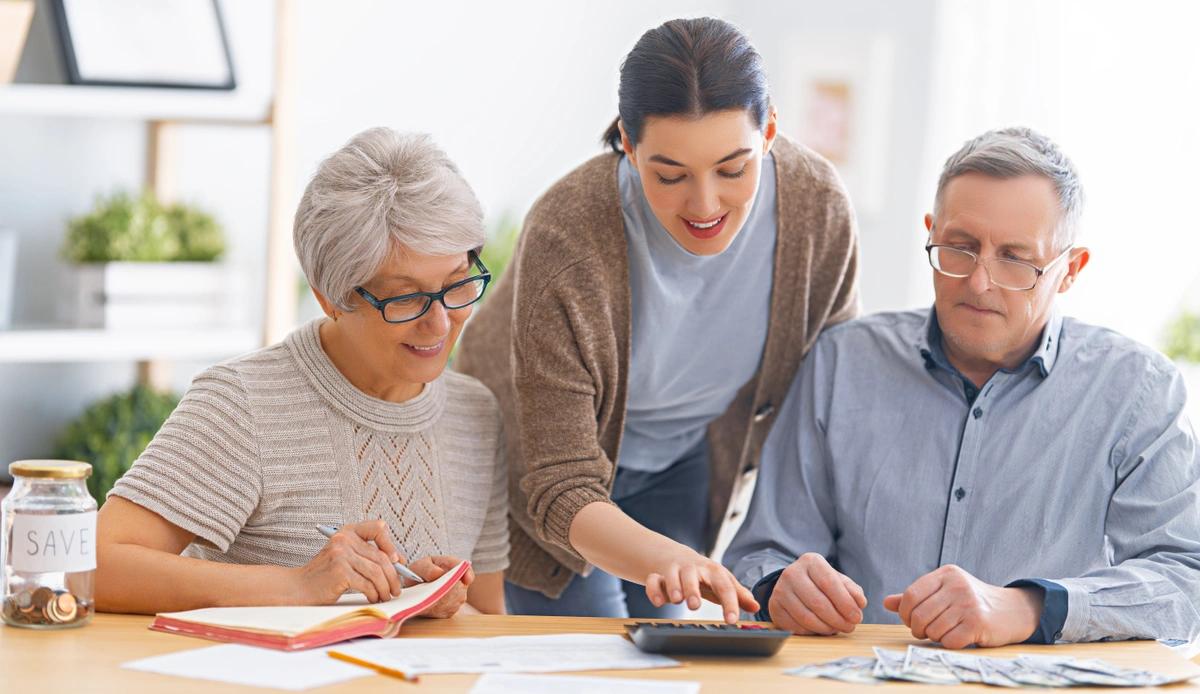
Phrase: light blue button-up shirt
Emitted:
{"points": [[1079, 468]]}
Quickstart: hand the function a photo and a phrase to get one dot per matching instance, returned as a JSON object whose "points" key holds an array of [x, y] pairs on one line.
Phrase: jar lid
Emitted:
{"points": [[51, 469]]}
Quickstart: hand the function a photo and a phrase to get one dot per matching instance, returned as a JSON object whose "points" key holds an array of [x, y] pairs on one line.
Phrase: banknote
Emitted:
{"points": [[926, 665], [854, 669]]}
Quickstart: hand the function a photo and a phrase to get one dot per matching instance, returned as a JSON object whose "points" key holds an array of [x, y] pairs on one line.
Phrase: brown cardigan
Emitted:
{"points": [[552, 342]]}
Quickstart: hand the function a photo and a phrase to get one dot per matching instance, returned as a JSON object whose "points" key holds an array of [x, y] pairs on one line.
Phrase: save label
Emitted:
{"points": [[57, 542]]}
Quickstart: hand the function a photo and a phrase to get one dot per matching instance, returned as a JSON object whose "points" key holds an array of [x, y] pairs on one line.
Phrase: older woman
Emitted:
{"points": [[351, 421]]}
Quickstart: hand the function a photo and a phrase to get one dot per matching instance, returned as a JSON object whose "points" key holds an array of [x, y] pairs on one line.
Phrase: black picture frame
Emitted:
{"points": [[75, 75]]}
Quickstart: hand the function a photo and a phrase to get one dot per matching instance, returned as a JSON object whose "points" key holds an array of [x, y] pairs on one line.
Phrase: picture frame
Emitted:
{"points": [[145, 43], [838, 95]]}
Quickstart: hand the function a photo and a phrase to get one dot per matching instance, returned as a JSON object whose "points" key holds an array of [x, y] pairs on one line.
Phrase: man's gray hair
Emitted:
{"points": [[383, 191], [1013, 152]]}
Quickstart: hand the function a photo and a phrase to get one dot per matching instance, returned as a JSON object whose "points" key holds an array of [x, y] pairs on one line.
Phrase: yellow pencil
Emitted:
{"points": [[372, 666]]}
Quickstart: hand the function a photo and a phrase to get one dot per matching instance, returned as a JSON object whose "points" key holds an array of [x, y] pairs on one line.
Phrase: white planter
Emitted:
{"points": [[8, 275], [152, 295]]}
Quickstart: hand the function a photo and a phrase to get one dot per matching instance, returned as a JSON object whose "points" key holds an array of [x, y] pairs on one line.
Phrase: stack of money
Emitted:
{"points": [[45, 607], [934, 666]]}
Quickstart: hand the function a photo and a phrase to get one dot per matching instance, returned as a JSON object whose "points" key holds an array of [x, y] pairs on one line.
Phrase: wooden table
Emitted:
{"points": [[88, 659]]}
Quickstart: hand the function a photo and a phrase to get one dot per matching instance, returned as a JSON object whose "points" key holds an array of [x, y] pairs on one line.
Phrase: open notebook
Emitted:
{"points": [[297, 628]]}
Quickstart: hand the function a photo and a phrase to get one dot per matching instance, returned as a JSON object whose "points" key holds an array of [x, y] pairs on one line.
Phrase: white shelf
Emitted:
{"points": [[65, 345], [132, 103]]}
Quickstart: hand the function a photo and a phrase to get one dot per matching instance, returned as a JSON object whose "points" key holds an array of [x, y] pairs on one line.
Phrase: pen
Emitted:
{"points": [[329, 531]]}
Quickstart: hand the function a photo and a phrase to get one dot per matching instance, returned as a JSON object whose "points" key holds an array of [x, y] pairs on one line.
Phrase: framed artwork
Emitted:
{"points": [[145, 43], [837, 95]]}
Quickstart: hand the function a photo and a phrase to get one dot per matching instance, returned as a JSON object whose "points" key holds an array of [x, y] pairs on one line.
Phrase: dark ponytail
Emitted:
{"points": [[689, 67]]}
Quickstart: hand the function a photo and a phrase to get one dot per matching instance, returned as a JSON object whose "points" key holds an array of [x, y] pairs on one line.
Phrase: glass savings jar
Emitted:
{"points": [[48, 545]]}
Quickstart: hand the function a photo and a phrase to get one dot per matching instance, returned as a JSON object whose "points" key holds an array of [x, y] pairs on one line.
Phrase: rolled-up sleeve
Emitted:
{"points": [[1152, 588]]}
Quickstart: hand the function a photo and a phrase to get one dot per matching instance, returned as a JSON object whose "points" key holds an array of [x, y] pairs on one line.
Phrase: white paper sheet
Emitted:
{"points": [[556, 684], [551, 653], [255, 667]]}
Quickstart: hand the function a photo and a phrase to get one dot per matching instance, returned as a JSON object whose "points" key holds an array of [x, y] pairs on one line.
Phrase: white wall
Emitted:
{"points": [[519, 92]]}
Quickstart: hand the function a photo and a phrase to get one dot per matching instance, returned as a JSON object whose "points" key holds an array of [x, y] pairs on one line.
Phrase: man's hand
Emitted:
{"points": [[811, 597], [950, 606]]}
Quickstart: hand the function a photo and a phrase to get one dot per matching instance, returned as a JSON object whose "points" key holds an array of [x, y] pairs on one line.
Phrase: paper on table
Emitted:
{"points": [[555, 684], [255, 667], [550, 653]]}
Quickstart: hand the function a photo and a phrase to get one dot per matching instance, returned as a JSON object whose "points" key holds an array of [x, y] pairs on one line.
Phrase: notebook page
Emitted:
{"points": [[292, 621]]}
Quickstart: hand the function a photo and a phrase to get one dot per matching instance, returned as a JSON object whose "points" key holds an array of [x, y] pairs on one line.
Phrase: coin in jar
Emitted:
{"points": [[62, 608]]}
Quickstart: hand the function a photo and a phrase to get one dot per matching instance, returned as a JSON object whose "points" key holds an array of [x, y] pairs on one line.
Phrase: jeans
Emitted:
{"points": [[674, 503]]}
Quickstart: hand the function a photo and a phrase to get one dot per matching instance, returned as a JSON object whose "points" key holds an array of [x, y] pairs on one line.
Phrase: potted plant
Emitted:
{"points": [[112, 433], [139, 263], [501, 244], [1183, 347]]}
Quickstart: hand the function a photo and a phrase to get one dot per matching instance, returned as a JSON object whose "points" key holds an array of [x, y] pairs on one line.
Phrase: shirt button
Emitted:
{"points": [[978, 412], [959, 493], [763, 412]]}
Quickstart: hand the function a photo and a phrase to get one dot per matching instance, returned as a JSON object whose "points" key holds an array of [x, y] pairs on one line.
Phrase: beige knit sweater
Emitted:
{"points": [[265, 447], [552, 342]]}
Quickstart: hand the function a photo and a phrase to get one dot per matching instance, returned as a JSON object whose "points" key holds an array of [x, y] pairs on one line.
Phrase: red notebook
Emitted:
{"points": [[298, 628]]}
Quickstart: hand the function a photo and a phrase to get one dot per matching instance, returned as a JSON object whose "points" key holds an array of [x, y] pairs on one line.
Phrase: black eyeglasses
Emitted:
{"points": [[409, 307]]}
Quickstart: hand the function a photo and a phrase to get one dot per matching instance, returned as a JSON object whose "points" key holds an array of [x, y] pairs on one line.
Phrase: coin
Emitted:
{"points": [[66, 603], [42, 597], [62, 608]]}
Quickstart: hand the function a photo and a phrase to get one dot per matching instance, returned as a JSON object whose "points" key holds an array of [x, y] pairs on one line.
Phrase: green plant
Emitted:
{"points": [[124, 227], [1183, 338], [112, 433], [501, 244]]}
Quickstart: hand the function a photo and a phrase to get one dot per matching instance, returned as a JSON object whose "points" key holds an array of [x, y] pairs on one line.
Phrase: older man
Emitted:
{"points": [[986, 472]]}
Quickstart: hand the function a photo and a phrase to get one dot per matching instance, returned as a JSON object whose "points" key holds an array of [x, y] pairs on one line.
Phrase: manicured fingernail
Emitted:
{"points": [[731, 617], [676, 596]]}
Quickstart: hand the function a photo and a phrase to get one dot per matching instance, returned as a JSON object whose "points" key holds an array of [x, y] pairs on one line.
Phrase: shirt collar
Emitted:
{"points": [[929, 346]]}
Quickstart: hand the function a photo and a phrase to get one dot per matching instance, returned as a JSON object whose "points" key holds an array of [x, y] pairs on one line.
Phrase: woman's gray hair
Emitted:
{"points": [[381, 192], [1013, 152]]}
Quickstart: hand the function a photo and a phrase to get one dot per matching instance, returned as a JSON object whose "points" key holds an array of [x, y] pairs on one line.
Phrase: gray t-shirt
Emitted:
{"points": [[699, 324]]}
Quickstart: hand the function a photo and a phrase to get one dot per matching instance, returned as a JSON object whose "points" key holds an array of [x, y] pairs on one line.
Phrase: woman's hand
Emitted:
{"points": [[691, 576], [672, 572], [350, 562], [433, 568]]}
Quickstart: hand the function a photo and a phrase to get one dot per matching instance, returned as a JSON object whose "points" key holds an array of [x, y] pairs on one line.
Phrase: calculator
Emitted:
{"points": [[706, 638]]}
